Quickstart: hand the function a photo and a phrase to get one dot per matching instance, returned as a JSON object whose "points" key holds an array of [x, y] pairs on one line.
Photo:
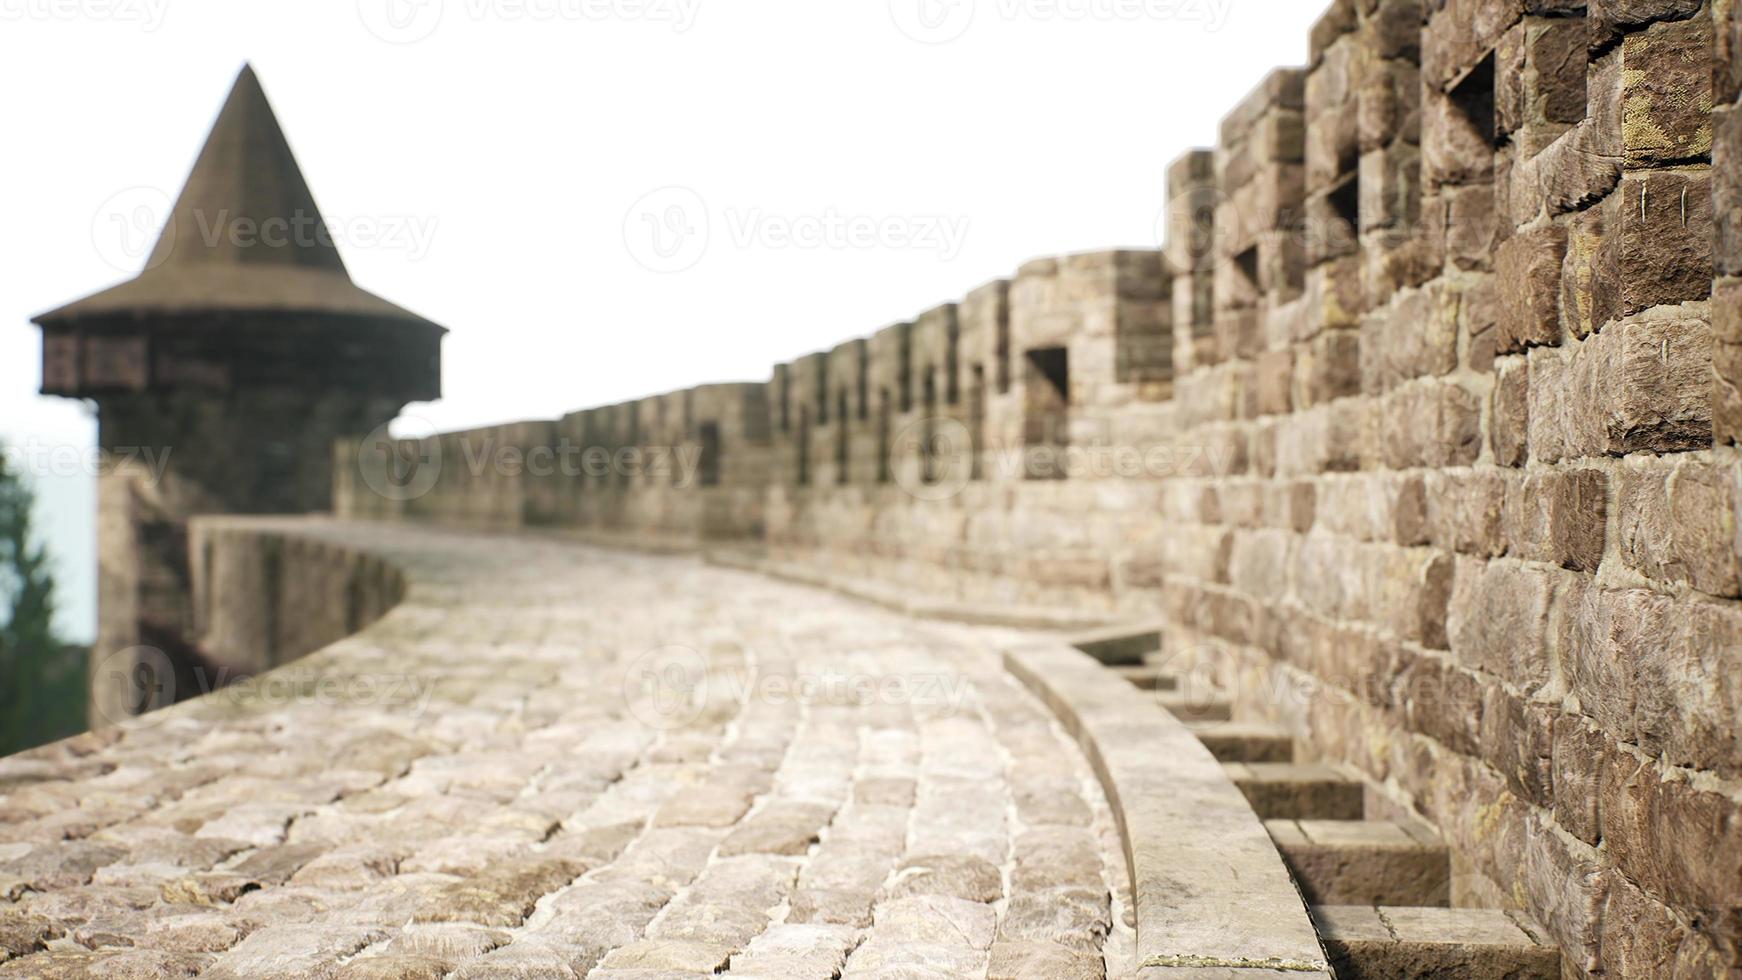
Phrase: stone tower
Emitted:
{"points": [[221, 374]]}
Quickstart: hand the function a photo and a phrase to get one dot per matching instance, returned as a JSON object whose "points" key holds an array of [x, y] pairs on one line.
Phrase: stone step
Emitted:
{"points": [[1364, 862], [1119, 646], [1244, 741], [1148, 678], [1196, 705], [1299, 791], [1367, 943]]}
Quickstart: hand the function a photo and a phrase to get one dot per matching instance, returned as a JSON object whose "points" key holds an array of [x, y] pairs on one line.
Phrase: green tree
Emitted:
{"points": [[41, 678]]}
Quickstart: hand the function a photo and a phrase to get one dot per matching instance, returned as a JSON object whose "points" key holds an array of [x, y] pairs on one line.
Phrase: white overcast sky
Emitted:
{"points": [[502, 166]]}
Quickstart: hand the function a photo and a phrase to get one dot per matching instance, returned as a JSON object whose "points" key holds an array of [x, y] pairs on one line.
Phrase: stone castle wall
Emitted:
{"points": [[1421, 436]]}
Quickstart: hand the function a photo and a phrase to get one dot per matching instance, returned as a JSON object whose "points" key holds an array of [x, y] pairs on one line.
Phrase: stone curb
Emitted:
{"points": [[1213, 897]]}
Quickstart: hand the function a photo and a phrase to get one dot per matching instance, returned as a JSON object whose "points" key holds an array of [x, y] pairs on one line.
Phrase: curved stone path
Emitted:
{"points": [[516, 774]]}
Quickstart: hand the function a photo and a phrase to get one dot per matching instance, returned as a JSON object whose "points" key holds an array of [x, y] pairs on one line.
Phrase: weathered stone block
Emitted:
{"points": [[1358, 862], [1529, 269], [1678, 525], [1497, 620], [1415, 336], [1430, 424], [1472, 226], [1727, 361], [1607, 19], [1518, 742], [1454, 150], [1667, 93], [1655, 246], [1539, 75], [1558, 516], [1642, 385], [1368, 943], [1509, 421], [1465, 511]]}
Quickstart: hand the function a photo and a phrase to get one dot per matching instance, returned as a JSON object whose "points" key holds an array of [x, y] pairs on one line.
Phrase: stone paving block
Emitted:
{"points": [[292, 952], [969, 878], [1148, 678], [1042, 961], [1298, 791], [782, 827], [503, 896], [1122, 646], [1195, 706], [798, 952], [1374, 862], [936, 920], [1244, 741], [1368, 943], [832, 906], [675, 956], [393, 966]]}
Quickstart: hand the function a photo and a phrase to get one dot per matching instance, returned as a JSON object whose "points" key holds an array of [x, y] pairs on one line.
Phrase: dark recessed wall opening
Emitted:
{"points": [[977, 422], [883, 474], [952, 368], [864, 383], [928, 459], [1046, 412], [1246, 263], [708, 466], [785, 401], [804, 447], [1003, 352], [1473, 97], [841, 445]]}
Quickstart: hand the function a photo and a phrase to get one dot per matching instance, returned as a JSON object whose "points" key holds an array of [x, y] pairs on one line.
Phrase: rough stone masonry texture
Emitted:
{"points": [[1448, 442], [1419, 438]]}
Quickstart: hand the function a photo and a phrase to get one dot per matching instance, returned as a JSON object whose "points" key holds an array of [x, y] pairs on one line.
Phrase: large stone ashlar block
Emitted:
{"points": [[1642, 385]]}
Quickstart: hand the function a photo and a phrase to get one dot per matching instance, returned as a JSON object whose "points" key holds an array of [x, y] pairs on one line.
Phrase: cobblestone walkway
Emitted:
{"points": [[555, 761]]}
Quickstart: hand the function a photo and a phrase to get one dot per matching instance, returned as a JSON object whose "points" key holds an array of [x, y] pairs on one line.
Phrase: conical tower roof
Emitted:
{"points": [[245, 235]]}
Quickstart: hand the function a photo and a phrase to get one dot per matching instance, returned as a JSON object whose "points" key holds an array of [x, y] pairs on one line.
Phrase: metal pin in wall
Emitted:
{"points": [[1684, 208], [1641, 202]]}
